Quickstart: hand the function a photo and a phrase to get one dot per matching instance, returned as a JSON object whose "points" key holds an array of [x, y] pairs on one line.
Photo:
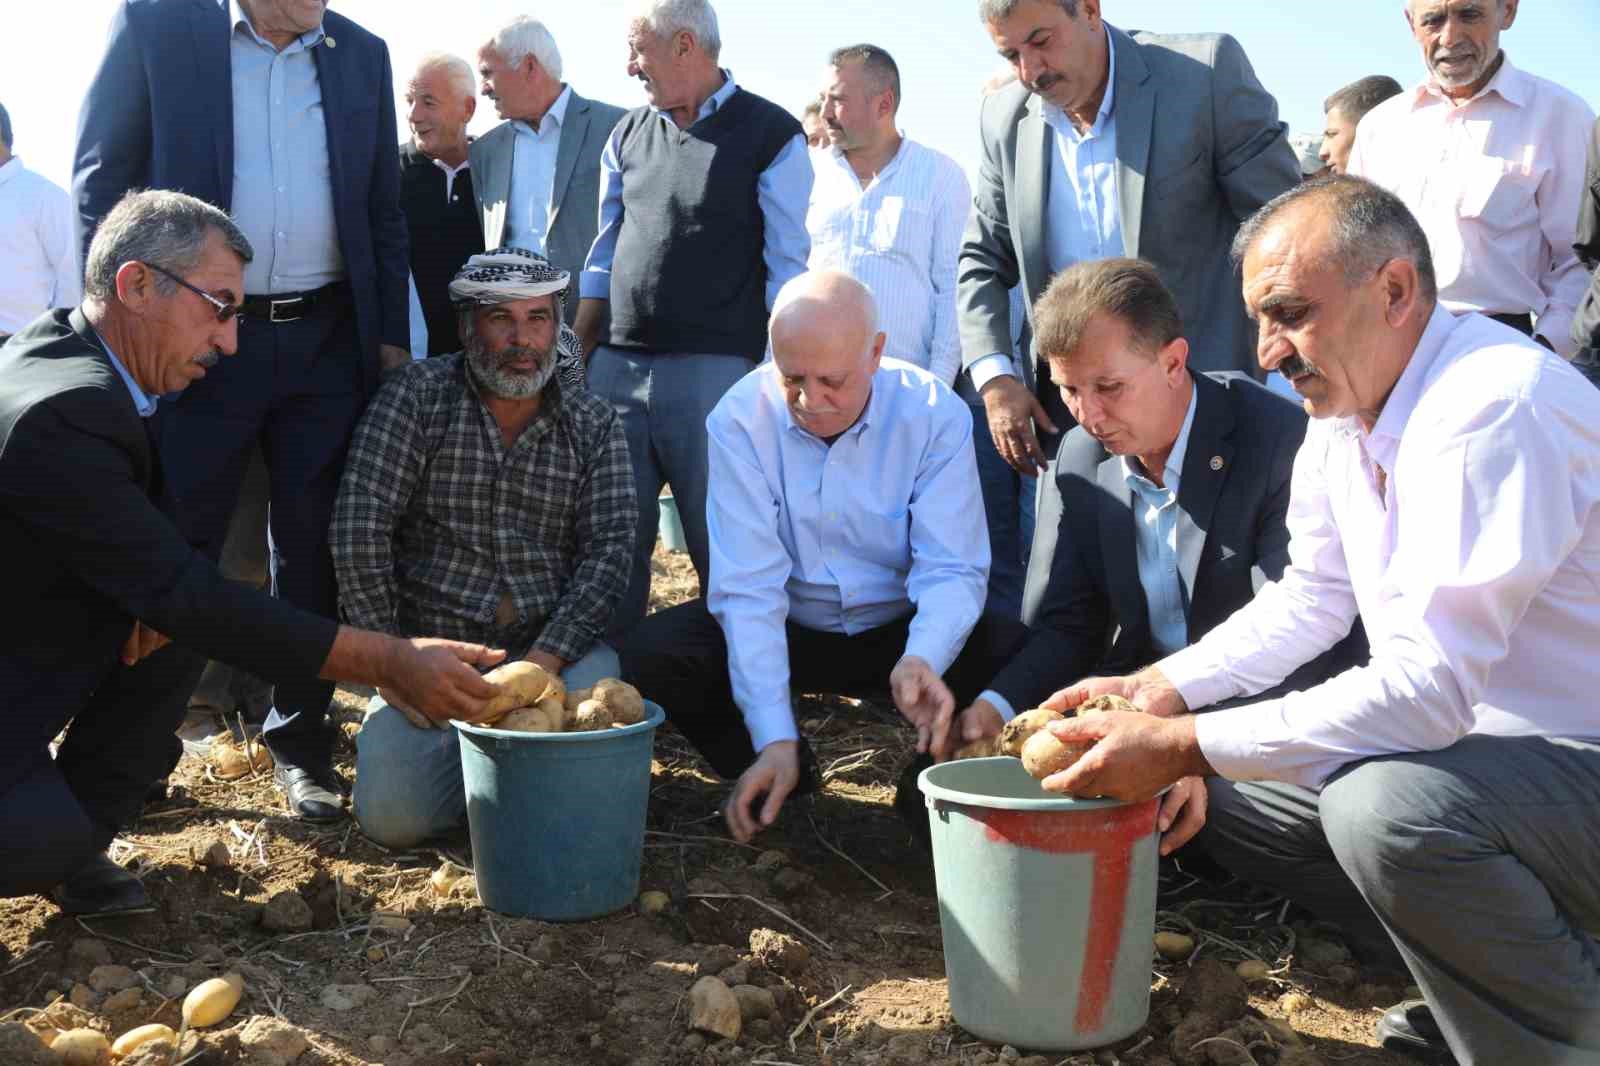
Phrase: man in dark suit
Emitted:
{"points": [[1110, 144], [1174, 488], [98, 576], [537, 174], [283, 114]]}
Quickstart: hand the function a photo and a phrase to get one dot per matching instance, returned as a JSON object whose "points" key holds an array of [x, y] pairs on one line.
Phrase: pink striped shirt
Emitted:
{"points": [[1495, 183]]}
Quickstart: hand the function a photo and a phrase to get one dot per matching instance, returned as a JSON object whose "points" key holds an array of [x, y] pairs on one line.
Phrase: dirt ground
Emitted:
{"points": [[380, 969]]}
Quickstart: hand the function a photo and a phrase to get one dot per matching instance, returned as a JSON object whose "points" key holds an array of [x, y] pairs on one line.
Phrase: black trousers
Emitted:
{"points": [[57, 814], [679, 659], [296, 391]]}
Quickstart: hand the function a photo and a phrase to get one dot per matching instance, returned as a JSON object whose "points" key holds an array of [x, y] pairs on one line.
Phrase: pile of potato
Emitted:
{"points": [[1025, 737], [532, 700], [206, 1004]]}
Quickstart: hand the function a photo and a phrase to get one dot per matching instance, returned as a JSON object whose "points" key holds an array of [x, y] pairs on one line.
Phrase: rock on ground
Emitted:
{"points": [[86, 953], [287, 912], [20, 1047], [105, 979], [754, 1002], [271, 1042], [714, 1009], [779, 952]]}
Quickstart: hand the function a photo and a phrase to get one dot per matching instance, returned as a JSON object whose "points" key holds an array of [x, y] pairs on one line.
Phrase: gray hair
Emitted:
{"points": [[168, 229], [995, 10], [878, 64], [664, 18], [526, 36], [457, 69], [1361, 96], [1370, 226]]}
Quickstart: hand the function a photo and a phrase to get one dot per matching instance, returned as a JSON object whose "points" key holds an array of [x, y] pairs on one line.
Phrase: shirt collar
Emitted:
{"points": [[1057, 117], [1509, 82], [12, 168], [716, 100], [556, 116], [446, 167], [144, 403], [840, 159], [1180, 447], [240, 21], [1384, 440]]}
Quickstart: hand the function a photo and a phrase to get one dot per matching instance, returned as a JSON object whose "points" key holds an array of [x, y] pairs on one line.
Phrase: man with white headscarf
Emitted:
{"points": [[486, 492]]}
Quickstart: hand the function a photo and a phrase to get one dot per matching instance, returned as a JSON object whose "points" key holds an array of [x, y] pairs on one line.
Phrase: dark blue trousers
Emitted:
{"points": [[298, 389]]}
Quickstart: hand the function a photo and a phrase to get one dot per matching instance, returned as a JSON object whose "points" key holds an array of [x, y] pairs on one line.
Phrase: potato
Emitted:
{"points": [[556, 710], [529, 720], [1019, 729], [521, 684], [627, 707], [1102, 704], [443, 880], [591, 714], [1174, 947], [133, 1039], [982, 748], [82, 1047], [211, 1001], [555, 690], [1044, 755], [229, 761]]}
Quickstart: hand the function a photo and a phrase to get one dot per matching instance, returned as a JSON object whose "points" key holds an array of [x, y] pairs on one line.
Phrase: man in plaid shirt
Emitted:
{"points": [[486, 493]]}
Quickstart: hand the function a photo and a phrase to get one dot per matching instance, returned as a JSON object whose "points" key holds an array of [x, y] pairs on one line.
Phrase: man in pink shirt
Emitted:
{"points": [[1490, 159]]}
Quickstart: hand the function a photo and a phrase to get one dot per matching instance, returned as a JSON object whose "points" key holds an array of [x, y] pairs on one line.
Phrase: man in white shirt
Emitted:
{"points": [[1449, 491], [888, 211], [847, 553], [1490, 159], [38, 264]]}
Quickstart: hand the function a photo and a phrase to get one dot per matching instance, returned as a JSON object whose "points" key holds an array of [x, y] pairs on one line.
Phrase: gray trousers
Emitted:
{"points": [[663, 400], [1481, 863]]}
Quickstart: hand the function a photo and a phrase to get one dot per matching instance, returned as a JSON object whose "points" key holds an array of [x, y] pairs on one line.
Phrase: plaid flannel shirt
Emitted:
{"points": [[437, 520]]}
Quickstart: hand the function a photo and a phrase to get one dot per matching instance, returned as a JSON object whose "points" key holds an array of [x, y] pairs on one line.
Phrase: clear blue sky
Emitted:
{"points": [[1302, 51]]}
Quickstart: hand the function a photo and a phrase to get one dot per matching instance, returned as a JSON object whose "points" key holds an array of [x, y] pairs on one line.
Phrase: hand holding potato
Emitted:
{"points": [[1148, 690], [972, 732], [436, 679], [1130, 757]]}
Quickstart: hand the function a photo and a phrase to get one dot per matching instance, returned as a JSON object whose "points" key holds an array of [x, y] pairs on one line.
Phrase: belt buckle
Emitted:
{"points": [[274, 316]]}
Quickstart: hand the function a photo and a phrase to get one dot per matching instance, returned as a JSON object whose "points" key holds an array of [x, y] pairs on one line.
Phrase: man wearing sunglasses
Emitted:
{"points": [[98, 577]]}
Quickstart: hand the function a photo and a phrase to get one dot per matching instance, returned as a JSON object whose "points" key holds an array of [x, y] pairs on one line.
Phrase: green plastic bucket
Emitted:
{"points": [[1047, 906], [557, 819], [670, 526]]}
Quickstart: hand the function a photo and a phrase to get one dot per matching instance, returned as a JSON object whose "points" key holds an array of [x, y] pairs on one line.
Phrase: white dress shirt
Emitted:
{"points": [[1475, 568], [1083, 210], [533, 177], [1495, 183], [884, 523], [782, 191], [38, 259], [900, 236]]}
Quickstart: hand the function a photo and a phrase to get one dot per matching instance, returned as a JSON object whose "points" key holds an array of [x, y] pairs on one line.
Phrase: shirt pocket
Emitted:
{"points": [[1497, 191], [899, 226]]}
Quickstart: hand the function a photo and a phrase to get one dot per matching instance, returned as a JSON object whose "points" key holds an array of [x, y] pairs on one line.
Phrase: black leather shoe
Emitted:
{"points": [[312, 796], [100, 887], [1409, 1028]]}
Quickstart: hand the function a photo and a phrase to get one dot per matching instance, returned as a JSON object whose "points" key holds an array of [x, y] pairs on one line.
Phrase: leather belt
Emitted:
{"points": [[293, 306]]}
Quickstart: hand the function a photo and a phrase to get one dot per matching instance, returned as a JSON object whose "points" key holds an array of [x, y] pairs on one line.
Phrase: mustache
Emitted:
{"points": [[1295, 367], [209, 359], [1044, 82]]}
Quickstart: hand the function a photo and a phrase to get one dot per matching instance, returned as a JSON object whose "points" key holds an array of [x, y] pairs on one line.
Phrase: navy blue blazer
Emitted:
{"points": [[159, 115]]}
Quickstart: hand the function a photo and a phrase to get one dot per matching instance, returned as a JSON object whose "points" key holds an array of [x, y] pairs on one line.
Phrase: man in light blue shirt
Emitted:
{"points": [[848, 553]]}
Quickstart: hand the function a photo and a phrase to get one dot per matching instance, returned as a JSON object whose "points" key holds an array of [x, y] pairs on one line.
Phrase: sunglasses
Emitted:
{"points": [[226, 309]]}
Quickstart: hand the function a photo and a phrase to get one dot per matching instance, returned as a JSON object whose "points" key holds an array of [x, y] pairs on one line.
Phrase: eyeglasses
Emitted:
{"points": [[225, 309]]}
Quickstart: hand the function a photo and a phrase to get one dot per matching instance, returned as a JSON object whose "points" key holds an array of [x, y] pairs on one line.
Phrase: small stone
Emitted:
{"points": [[754, 1002], [735, 975], [174, 987], [1009, 1054], [1253, 970], [1174, 947], [1292, 1003], [347, 997], [529, 976], [770, 861], [217, 856], [287, 912], [376, 955], [82, 997], [20, 1047], [105, 979], [713, 1009], [1212, 986], [779, 952], [127, 999], [654, 902], [694, 1042], [717, 958], [790, 883], [87, 953]]}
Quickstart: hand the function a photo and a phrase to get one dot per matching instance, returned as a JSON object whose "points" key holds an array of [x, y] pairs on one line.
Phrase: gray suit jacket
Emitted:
{"points": [[575, 198], [1199, 148]]}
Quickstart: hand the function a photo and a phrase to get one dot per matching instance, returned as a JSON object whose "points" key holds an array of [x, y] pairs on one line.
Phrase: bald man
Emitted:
{"points": [[848, 554]]}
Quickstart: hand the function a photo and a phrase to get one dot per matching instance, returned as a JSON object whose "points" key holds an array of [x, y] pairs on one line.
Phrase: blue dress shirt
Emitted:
{"points": [[885, 522], [1155, 529], [533, 177], [1083, 212], [783, 191], [143, 402], [282, 177]]}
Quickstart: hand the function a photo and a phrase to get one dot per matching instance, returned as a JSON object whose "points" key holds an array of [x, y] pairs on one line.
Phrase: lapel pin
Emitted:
{"points": [[331, 42], [1216, 462]]}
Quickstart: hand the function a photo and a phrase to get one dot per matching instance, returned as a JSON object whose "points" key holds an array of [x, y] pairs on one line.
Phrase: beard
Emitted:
{"points": [[1459, 77], [493, 370]]}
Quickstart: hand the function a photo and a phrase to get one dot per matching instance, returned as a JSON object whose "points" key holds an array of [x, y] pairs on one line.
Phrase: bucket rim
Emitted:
{"points": [[654, 716], [935, 791]]}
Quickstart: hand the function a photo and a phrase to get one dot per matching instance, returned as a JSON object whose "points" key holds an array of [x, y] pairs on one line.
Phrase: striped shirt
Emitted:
{"points": [[438, 522], [900, 236]]}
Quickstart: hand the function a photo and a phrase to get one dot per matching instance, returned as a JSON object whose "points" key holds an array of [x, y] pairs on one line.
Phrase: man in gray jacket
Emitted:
{"points": [[537, 174], [1110, 144]]}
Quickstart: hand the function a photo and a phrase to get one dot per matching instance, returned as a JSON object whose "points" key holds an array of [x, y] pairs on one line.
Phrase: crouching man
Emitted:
{"points": [[487, 493], [848, 553], [1449, 490]]}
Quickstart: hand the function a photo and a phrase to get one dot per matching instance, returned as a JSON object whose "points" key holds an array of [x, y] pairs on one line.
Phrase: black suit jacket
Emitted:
{"points": [[84, 551], [1233, 498], [159, 115]]}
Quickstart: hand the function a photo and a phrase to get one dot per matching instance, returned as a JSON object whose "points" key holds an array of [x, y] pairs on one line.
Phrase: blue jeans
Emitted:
{"points": [[1008, 504], [663, 399], [408, 780]]}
